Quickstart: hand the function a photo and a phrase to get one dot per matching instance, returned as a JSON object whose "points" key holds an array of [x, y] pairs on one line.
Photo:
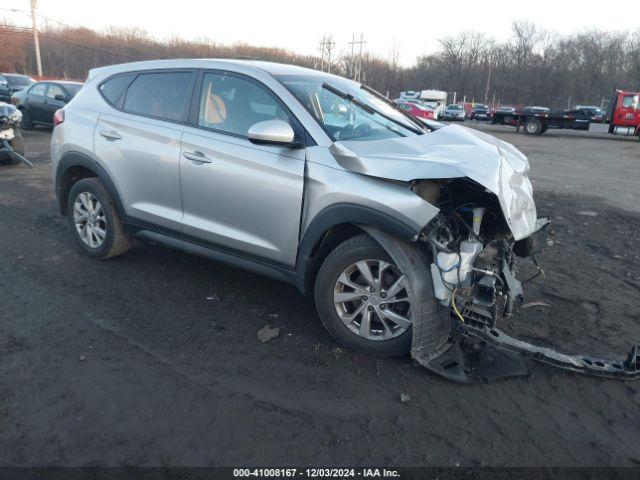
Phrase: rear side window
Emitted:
{"points": [[55, 90], [113, 89], [161, 95], [38, 89]]}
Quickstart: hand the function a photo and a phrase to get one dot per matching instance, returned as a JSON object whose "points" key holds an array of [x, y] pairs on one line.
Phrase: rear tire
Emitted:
{"points": [[95, 221], [533, 126]]}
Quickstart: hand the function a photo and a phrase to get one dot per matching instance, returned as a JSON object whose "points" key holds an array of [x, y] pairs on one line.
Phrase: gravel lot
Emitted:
{"points": [[153, 359]]}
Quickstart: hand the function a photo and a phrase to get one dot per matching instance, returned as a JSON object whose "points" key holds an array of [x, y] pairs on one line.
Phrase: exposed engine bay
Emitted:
{"points": [[11, 143], [474, 278], [484, 218]]}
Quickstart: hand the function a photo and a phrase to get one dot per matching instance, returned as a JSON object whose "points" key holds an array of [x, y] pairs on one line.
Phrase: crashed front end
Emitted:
{"points": [[473, 247], [486, 219]]}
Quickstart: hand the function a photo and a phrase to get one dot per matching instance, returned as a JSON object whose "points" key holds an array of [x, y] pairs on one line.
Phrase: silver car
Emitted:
{"points": [[400, 229], [454, 112]]}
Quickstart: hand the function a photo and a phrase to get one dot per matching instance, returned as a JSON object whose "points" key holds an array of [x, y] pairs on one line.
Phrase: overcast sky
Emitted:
{"points": [[299, 25]]}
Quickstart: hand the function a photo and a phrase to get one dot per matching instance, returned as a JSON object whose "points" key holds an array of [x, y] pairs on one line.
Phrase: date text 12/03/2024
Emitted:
{"points": [[316, 473]]}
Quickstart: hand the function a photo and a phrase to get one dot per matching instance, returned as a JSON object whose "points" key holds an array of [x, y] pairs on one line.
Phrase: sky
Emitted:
{"points": [[414, 27]]}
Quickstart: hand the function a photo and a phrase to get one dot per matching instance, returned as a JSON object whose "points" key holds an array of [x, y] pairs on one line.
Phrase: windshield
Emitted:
{"points": [[481, 107], [347, 111], [18, 80], [454, 107]]}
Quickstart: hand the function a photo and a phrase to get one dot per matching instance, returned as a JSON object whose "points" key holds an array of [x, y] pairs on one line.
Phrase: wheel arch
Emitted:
{"points": [[75, 166], [334, 225]]}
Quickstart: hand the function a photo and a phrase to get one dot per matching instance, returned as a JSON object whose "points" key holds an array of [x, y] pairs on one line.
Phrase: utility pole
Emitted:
{"points": [[35, 36], [357, 72], [486, 91], [327, 45], [361, 42], [322, 53], [351, 61]]}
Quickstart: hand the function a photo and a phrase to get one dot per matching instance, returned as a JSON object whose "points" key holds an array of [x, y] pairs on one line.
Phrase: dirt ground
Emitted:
{"points": [[153, 359]]}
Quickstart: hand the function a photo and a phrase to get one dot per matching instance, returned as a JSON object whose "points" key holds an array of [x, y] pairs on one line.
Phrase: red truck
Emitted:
{"points": [[624, 112]]}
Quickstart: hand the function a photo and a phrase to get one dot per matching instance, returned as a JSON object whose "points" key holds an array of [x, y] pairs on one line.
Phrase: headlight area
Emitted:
{"points": [[15, 118], [473, 269]]}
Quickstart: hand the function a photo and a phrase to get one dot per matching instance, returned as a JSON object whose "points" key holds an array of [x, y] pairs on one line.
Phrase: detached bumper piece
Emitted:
{"points": [[489, 354], [628, 369], [6, 149]]}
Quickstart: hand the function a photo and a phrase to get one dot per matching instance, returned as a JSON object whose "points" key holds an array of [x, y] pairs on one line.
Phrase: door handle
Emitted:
{"points": [[197, 157], [110, 134]]}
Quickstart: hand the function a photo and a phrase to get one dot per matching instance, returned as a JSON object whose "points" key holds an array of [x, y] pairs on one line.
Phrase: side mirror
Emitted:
{"points": [[272, 132], [60, 97]]}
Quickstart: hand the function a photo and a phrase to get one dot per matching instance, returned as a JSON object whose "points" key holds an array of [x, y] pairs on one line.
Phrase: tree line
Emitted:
{"points": [[532, 66]]}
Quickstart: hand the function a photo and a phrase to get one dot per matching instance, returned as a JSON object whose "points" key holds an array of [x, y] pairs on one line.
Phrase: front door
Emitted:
{"points": [[237, 195]]}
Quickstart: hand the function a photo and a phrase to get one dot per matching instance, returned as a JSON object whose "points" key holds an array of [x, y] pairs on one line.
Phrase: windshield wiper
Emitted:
{"points": [[368, 108], [395, 107]]}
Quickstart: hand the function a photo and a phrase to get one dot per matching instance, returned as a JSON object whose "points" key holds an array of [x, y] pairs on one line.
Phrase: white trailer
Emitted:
{"points": [[436, 99]]}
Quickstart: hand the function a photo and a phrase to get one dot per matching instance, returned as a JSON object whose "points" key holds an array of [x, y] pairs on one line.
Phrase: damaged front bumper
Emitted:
{"points": [[478, 351], [6, 150]]}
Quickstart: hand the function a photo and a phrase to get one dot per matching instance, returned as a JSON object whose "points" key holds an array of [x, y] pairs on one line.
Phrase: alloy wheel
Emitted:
{"points": [[370, 297], [90, 220]]}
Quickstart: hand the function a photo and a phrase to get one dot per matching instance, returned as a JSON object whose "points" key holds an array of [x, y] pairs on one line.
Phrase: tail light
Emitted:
{"points": [[58, 117]]}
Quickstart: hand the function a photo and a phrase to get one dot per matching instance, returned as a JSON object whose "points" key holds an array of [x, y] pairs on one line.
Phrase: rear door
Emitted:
{"points": [[138, 141], [240, 196], [35, 105]]}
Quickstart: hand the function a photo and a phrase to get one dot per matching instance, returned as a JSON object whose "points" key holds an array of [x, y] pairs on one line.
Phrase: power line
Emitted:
{"points": [[24, 32], [103, 38]]}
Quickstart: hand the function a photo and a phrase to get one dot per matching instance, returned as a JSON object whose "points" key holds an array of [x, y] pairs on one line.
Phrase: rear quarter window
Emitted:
{"points": [[113, 90], [161, 95]]}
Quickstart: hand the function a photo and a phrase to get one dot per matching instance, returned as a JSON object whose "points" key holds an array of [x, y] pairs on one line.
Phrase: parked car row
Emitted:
{"points": [[624, 114], [40, 101], [11, 83], [36, 100]]}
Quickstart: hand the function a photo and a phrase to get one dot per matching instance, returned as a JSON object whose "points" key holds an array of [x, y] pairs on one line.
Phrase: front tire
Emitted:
{"points": [[26, 123], [94, 220], [362, 300]]}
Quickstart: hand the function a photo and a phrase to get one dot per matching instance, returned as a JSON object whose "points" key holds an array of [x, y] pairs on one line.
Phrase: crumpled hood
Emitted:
{"points": [[451, 152]]}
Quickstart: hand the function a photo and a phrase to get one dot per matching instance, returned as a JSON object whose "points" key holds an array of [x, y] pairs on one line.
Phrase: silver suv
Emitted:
{"points": [[401, 229]]}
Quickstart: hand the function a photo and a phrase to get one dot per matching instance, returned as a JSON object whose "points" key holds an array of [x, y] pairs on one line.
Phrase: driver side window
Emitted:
{"points": [[233, 105]]}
